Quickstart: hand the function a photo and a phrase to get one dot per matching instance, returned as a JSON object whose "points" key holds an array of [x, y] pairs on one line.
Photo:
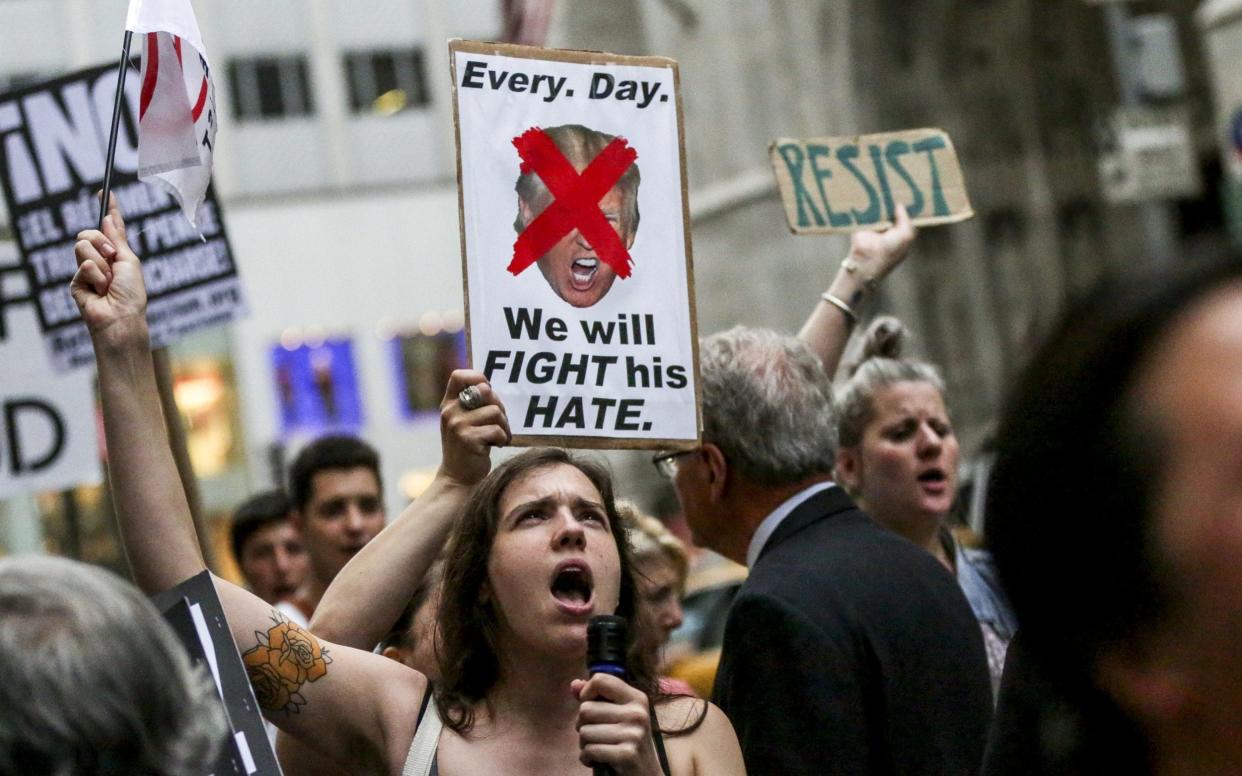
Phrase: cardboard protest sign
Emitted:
{"points": [[580, 312], [48, 434], [193, 610], [844, 184], [53, 140]]}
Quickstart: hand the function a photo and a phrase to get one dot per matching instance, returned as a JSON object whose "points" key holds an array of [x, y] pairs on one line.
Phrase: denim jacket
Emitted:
{"points": [[976, 574]]}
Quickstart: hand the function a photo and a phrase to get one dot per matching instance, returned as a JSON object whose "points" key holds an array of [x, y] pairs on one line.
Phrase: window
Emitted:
{"points": [[270, 87], [385, 82], [423, 361], [316, 385]]}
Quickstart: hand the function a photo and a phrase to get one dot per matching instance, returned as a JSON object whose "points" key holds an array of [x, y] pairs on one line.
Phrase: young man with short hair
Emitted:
{"points": [[268, 547], [338, 507]]}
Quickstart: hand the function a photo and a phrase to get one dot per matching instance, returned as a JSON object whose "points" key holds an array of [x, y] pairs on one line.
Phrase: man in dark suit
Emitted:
{"points": [[848, 650]]}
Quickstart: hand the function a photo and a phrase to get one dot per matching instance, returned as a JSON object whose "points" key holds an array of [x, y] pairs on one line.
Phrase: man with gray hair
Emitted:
{"points": [[93, 681], [848, 650]]}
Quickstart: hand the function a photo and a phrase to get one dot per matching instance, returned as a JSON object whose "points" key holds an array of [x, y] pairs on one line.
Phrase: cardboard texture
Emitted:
{"points": [[845, 184]]}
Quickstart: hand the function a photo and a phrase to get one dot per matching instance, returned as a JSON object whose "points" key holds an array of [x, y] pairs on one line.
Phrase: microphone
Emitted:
{"points": [[606, 642]]}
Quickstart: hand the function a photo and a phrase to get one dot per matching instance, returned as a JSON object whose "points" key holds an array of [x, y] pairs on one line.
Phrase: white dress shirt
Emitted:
{"points": [[778, 515]]}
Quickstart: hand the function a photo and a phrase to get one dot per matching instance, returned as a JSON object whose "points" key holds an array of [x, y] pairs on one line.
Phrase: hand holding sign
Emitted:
{"points": [[874, 254], [467, 436], [108, 286]]}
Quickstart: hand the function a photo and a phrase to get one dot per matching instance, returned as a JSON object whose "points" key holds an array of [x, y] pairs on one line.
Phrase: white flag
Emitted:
{"points": [[177, 109]]}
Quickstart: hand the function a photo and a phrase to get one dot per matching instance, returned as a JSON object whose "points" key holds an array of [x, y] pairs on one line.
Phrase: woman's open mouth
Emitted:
{"points": [[934, 481], [572, 586]]}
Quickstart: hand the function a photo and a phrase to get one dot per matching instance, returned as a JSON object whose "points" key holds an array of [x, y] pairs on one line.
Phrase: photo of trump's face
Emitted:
{"points": [[571, 266]]}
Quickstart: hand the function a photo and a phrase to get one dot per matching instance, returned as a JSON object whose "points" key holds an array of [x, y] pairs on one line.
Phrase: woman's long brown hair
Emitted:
{"points": [[468, 623]]}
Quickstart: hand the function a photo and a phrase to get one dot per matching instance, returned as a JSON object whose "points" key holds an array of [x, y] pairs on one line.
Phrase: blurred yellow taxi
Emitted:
{"points": [[693, 651]]}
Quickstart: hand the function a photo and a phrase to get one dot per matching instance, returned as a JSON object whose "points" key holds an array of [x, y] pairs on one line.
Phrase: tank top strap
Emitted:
{"points": [[421, 760], [658, 738]]}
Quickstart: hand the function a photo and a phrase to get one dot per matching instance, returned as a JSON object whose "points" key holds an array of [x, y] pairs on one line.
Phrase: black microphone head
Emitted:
{"points": [[607, 639]]}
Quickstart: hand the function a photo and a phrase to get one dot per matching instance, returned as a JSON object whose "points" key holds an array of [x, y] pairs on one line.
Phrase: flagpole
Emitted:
{"points": [[116, 123], [160, 356]]}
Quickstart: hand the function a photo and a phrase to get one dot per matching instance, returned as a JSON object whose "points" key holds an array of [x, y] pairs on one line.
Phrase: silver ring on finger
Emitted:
{"points": [[470, 398]]}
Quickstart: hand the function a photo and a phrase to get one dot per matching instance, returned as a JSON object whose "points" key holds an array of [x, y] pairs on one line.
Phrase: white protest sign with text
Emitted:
{"points": [[48, 433], [844, 184], [577, 258]]}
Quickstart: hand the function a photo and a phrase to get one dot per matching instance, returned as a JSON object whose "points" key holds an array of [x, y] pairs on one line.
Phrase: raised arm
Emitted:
{"points": [[335, 698], [356, 610], [154, 517], [872, 256]]}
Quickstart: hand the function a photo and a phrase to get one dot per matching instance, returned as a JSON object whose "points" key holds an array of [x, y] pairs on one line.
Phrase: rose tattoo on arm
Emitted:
{"points": [[285, 658]]}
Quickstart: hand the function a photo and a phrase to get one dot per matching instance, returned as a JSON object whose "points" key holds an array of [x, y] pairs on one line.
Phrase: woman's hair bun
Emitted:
{"points": [[885, 338]]}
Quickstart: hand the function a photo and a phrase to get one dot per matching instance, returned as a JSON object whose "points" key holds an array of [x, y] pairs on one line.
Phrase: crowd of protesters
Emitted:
{"points": [[866, 639]]}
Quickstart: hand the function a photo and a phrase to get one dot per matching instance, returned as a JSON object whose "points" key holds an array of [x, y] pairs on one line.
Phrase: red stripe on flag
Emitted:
{"points": [[202, 100], [202, 89], [152, 65]]}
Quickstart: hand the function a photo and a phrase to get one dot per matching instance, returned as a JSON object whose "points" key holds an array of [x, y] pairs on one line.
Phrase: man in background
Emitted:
{"points": [[267, 546], [338, 507], [848, 650]]}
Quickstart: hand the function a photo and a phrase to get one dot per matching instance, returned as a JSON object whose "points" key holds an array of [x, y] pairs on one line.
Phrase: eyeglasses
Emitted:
{"points": [[666, 463]]}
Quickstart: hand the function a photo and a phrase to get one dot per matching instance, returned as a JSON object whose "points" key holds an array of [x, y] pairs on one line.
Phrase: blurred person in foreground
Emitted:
{"points": [[1115, 516], [848, 650], [898, 453], [93, 682], [267, 546]]}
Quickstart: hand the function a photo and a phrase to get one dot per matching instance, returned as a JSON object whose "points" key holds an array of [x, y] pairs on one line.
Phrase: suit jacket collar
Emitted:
{"points": [[818, 507]]}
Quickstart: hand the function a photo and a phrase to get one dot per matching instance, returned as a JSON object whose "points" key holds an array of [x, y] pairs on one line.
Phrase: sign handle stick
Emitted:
{"points": [[181, 454], [116, 123]]}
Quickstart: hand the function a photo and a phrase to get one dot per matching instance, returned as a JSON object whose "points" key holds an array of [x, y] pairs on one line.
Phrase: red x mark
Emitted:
{"points": [[576, 202]]}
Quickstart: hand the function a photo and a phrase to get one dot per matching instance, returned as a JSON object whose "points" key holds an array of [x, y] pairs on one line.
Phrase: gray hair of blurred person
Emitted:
{"points": [[93, 681], [879, 366], [767, 404], [580, 145]]}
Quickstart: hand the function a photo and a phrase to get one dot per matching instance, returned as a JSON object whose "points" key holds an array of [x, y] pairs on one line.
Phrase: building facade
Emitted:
{"points": [[335, 168]]}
